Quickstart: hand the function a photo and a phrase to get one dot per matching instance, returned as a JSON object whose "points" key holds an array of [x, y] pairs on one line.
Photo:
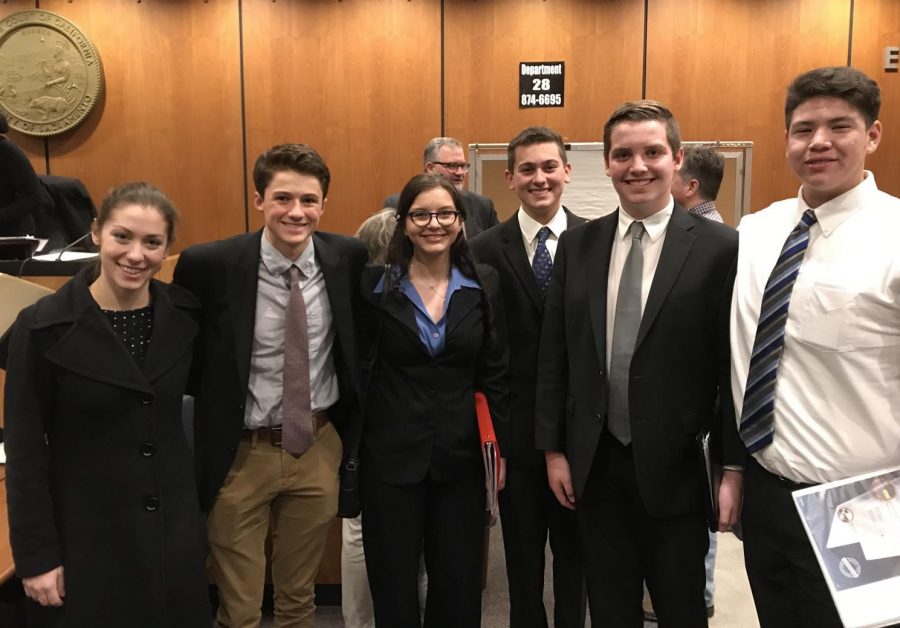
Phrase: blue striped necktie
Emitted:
{"points": [[542, 264], [758, 415]]}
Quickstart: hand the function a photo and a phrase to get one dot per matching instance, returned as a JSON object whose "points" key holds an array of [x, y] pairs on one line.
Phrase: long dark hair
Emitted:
{"points": [[400, 249]]}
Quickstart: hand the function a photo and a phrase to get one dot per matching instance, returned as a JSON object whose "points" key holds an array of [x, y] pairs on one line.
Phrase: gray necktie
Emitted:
{"points": [[296, 412], [625, 331]]}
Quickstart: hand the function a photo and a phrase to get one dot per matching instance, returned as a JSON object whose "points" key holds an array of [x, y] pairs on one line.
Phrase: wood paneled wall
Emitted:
{"points": [[196, 89]]}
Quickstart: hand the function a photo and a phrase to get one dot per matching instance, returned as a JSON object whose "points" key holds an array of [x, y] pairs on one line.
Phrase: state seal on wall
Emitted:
{"points": [[50, 73]]}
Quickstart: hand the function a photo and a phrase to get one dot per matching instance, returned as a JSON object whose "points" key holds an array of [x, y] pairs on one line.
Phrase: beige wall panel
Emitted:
{"points": [[723, 67], [31, 146], [171, 113], [357, 80], [600, 41], [876, 24]]}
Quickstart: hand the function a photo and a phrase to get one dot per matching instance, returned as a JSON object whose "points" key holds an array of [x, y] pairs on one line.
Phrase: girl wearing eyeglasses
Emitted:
{"points": [[433, 329]]}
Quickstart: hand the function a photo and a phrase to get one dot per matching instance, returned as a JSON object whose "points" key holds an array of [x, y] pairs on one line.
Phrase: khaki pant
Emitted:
{"points": [[299, 497]]}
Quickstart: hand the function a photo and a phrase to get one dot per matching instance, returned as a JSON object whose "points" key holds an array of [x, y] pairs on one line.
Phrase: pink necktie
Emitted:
{"points": [[296, 412]]}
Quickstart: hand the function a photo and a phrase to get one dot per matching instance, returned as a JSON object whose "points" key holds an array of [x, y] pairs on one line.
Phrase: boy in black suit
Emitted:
{"points": [[633, 355], [268, 418], [521, 250]]}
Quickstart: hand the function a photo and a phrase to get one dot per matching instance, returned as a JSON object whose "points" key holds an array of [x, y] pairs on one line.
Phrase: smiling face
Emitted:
{"points": [[827, 144], [539, 178], [433, 239], [292, 206], [641, 165], [133, 245]]}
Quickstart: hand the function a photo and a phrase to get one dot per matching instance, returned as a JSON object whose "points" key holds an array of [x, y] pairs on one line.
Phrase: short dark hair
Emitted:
{"points": [[640, 111], [707, 166], [297, 157], [143, 194], [531, 136], [400, 249], [4, 123], [849, 84]]}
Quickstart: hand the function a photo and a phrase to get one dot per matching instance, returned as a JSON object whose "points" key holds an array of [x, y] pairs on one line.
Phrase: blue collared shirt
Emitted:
{"points": [[432, 334]]}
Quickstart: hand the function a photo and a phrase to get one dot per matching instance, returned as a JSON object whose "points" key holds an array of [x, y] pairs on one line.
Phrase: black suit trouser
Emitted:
{"points": [[447, 520], [624, 545], [529, 513], [788, 587]]}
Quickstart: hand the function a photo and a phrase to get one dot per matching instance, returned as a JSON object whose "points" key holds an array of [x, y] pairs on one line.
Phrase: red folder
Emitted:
{"points": [[490, 452]]}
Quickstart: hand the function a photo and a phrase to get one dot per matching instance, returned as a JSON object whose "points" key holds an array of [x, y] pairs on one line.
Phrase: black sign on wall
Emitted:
{"points": [[541, 84]]}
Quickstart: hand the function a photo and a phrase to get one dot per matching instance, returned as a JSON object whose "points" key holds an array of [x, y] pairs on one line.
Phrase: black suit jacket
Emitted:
{"points": [[480, 212], [223, 275], [680, 365], [420, 410], [502, 248]]}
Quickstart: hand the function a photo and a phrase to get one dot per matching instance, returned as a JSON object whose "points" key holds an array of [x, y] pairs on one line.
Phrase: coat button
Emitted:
{"points": [[151, 503], [148, 449], [146, 400]]}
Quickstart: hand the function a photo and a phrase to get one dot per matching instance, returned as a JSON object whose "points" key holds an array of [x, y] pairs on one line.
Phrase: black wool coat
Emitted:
{"points": [[99, 472]]}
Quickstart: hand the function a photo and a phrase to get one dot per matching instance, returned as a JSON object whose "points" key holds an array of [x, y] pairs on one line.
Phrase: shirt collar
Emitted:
{"points": [[703, 209], [277, 264], [831, 214], [655, 224], [530, 226], [457, 280]]}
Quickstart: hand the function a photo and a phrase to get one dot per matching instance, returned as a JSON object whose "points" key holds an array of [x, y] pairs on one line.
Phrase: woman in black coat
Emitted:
{"points": [[104, 522], [441, 338]]}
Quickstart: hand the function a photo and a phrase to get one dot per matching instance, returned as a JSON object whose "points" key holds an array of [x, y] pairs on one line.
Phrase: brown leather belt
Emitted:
{"points": [[273, 434]]}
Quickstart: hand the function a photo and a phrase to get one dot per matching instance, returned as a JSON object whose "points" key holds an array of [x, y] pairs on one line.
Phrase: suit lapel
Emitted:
{"points": [[514, 250], [337, 285], [600, 243], [243, 277], [675, 250], [462, 303]]}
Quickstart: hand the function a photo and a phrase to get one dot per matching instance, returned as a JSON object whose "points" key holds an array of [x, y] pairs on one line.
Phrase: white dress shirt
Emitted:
{"points": [[530, 227], [837, 396], [653, 240], [263, 407]]}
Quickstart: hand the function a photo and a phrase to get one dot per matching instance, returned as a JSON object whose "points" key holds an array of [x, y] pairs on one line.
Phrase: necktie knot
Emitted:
{"points": [[808, 219], [637, 230], [543, 234], [293, 275]]}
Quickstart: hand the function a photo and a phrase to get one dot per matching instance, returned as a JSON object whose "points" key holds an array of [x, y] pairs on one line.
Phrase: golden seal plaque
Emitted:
{"points": [[50, 73]]}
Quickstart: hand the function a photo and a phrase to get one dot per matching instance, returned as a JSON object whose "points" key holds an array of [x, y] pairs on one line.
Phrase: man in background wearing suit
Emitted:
{"points": [[521, 250], [695, 187], [634, 354], [275, 385], [445, 156]]}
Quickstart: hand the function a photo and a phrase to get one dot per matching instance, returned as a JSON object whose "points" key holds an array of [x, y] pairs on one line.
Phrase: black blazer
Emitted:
{"points": [[420, 410], [480, 212], [680, 365], [99, 472], [502, 248], [223, 275]]}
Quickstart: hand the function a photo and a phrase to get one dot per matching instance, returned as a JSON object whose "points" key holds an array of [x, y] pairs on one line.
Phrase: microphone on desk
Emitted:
{"points": [[71, 245]]}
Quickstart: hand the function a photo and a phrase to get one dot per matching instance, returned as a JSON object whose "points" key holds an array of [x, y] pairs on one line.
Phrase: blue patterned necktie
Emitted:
{"points": [[542, 264], [758, 414]]}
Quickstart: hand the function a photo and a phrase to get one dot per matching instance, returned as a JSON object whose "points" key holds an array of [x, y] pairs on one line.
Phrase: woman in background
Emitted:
{"points": [[104, 522], [442, 337], [22, 197]]}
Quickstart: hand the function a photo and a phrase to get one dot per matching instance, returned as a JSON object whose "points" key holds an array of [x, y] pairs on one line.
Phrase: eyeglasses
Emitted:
{"points": [[452, 166], [445, 217]]}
